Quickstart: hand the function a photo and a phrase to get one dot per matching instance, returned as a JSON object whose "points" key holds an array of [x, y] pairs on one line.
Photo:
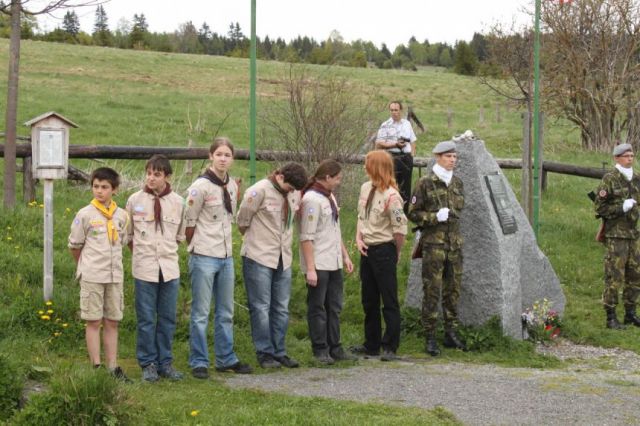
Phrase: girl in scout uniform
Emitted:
{"points": [[211, 204], [322, 257], [380, 235]]}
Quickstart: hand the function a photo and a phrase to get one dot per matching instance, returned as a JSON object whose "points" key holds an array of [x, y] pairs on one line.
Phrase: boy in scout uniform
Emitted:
{"points": [[435, 207], [265, 219], [322, 256], [211, 204], [617, 204], [98, 233], [157, 228], [380, 235]]}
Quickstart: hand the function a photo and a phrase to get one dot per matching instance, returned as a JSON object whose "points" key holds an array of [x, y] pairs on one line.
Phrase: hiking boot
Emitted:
{"points": [[432, 345], [200, 372], [631, 318], [267, 361], [363, 351], [118, 374], [168, 372], [324, 359], [451, 340], [388, 355], [339, 354], [287, 362], [612, 320], [150, 373], [238, 368]]}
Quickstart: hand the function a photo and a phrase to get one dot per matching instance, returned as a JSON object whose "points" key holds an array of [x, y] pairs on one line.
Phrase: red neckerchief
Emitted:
{"points": [[157, 208]]}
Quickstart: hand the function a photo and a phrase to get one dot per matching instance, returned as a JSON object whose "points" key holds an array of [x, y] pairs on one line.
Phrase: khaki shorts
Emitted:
{"points": [[99, 300]]}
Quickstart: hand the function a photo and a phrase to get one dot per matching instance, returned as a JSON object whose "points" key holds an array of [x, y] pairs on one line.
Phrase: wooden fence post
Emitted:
{"points": [[28, 183]]}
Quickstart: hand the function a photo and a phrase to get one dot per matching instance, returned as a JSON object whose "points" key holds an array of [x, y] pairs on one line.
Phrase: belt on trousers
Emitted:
{"points": [[399, 154]]}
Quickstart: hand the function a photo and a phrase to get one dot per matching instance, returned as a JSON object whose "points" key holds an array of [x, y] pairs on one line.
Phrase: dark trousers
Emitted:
{"points": [[403, 165], [324, 304], [379, 281]]}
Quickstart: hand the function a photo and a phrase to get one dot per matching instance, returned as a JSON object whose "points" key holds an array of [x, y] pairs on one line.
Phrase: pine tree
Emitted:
{"points": [[101, 34], [71, 23], [139, 31]]}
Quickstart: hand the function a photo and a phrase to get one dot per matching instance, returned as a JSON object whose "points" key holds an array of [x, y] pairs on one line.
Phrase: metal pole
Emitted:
{"points": [[536, 127], [48, 239], [252, 96]]}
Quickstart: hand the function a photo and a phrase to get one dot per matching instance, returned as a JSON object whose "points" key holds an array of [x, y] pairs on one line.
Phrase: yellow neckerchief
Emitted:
{"points": [[112, 233]]}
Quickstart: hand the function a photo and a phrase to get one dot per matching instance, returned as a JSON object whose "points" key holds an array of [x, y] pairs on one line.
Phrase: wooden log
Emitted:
{"points": [[28, 182]]}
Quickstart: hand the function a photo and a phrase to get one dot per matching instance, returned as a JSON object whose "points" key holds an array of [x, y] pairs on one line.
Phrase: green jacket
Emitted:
{"points": [[610, 196], [430, 195]]}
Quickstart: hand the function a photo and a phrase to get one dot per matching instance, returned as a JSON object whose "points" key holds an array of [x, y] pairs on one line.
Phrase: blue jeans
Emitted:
{"points": [[268, 292], [211, 277], [156, 313]]}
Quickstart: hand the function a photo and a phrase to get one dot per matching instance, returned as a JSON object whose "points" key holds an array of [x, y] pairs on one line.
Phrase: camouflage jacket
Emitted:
{"points": [[610, 196], [432, 194]]}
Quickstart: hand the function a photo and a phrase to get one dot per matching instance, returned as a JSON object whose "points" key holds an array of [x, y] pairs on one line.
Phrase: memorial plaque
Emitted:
{"points": [[501, 205], [51, 148]]}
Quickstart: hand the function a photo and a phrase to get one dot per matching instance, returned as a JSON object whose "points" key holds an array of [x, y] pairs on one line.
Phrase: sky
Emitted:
{"points": [[378, 21]]}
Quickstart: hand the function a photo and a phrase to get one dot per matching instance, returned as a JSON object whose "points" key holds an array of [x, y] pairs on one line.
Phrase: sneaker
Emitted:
{"points": [[324, 359], [388, 355], [168, 372], [287, 362], [150, 373], [339, 354], [362, 350], [267, 361], [238, 367], [118, 374], [200, 372]]}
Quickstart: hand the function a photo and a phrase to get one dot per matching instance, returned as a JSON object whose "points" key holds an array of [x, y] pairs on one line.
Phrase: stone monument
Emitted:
{"points": [[504, 271]]}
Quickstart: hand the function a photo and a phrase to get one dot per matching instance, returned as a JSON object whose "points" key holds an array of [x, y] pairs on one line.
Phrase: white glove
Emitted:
{"points": [[443, 214], [628, 204]]}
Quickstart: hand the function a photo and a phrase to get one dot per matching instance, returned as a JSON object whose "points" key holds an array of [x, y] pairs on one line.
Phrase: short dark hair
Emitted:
{"points": [[160, 163], [294, 174], [108, 174], [221, 141], [396, 102]]}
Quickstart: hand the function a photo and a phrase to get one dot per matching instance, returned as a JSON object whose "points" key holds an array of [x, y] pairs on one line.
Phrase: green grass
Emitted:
{"points": [[144, 98]]}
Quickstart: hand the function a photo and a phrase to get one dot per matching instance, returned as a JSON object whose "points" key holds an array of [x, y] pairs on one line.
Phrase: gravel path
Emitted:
{"points": [[600, 386]]}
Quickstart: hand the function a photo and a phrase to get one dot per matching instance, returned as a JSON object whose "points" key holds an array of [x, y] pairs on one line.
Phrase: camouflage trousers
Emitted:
{"points": [[621, 270], [441, 274]]}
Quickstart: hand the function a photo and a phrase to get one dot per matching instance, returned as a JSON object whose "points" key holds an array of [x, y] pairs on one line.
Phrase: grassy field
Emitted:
{"points": [[143, 98]]}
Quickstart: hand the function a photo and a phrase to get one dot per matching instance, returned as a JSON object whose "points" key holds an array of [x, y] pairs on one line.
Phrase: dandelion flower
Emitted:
{"points": [[68, 210], [57, 333], [41, 206], [9, 238], [195, 413], [57, 319], [8, 228], [48, 303], [49, 311], [40, 312], [45, 317], [65, 325]]}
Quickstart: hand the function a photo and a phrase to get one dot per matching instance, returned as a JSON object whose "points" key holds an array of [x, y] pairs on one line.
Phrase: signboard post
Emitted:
{"points": [[50, 151]]}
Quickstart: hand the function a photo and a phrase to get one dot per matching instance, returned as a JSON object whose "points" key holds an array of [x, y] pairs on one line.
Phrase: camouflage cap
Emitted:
{"points": [[442, 147], [618, 150]]}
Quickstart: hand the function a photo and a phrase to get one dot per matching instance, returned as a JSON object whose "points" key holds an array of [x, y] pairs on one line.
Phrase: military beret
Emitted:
{"points": [[618, 150], [443, 147]]}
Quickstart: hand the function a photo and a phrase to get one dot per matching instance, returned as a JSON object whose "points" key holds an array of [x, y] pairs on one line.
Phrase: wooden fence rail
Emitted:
{"points": [[144, 152]]}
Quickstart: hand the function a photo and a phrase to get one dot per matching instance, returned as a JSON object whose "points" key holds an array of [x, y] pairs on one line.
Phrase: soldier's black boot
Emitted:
{"points": [[631, 318], [612, 320], [451, 340], [432, 346]]}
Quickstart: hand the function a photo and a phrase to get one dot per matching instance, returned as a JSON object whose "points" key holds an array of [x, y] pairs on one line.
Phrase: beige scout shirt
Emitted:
{"points": [[154, 250], [205, 210], [267, 236], [385, 218], [100, 261], [317, 225]]}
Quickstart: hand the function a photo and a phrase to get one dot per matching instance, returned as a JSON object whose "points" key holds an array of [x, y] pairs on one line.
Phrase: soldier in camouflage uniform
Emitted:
{"points": [[616, 203], [435, 207]]}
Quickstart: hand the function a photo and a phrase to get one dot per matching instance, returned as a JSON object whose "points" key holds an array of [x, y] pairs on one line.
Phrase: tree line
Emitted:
{"points": [[462, 57]]}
